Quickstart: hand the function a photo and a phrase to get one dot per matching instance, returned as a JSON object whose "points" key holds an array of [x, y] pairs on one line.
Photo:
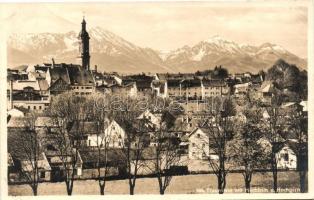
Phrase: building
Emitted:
{"points": [[113, 134], [214, 88], [84, 46], [286, 157], [191, 88], [31, 95], [198, 144]]}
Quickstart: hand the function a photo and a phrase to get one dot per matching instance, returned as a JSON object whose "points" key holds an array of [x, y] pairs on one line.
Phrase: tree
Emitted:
{"points": [[166, 152], [97, 106], [247, 149], [136, 134], [273, 130], [65, 110], [298, 126], [220, 125], [25, 147]]}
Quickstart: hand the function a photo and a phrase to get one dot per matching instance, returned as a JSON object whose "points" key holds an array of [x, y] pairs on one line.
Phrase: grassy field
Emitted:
{"points": [[190, 184]]}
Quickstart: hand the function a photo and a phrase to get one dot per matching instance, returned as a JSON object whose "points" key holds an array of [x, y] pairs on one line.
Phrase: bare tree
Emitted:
{"points": [[167, 153], [135, 140], [25, 147], [65, 110], [219, 123], [104, 138]]}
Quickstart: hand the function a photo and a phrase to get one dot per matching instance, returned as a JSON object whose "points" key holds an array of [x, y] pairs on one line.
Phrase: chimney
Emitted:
{"points": [[11, 94], [95, 68]]}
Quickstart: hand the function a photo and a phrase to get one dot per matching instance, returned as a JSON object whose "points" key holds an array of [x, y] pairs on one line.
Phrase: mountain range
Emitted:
{"points": [[113, 53]]}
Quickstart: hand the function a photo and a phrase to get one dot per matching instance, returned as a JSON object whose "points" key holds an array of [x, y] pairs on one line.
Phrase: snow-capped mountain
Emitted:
{"points": [[236, 57], [113, 53]]}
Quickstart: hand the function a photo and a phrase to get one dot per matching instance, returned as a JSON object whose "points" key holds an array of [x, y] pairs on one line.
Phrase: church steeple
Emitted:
{"points": [[84, 46]]}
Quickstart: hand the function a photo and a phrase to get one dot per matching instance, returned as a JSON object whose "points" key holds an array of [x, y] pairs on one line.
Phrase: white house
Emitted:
{"points": [[286, 158], [113, 135], [198, 145]]}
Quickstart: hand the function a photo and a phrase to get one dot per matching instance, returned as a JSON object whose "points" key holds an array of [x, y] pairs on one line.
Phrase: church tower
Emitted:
{"points": [[84, 46]]}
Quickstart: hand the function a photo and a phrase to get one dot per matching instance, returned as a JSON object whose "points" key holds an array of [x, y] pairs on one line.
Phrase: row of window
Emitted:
{"points": [[82, 87], [36, 108]]}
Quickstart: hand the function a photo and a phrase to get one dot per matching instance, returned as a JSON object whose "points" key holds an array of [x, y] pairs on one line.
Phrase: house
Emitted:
{"points": [[58, 80], [159, 88], [143, 83], [82, 81], [20, 151], [27, 94], [286, 156], [57, 159], [113, 135], [198, 144], [241, 89], [214, 87], [129, 89], [106, 158], [173, 88], [266, 92], [155, 117], [191, 88]]}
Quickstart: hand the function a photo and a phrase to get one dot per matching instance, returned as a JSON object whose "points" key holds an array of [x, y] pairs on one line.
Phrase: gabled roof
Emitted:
{"points": [[59, 73], [17, 122]]}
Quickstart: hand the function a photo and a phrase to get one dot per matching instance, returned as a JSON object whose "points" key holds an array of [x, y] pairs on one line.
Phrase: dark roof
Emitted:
{"points": [[173, 83], [59, 73], [256, 78], [41, 68], [18, 144], [180, 76], [191, 83], [79, 76], [84, 127], [213, 82], [92, 155]]}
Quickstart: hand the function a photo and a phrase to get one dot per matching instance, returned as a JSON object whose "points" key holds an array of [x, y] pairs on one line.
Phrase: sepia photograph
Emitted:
{"points": [[156, 98]]}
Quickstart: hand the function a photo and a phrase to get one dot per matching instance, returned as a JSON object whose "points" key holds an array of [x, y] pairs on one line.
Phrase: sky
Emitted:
{"points": [[168, 26]]}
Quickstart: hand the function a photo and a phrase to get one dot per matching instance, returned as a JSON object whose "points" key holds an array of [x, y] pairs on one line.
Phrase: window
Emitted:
{"points": [[39, 107], [286, 157], [42, 174], [193, 144], [34, 107], [203, 145], [198, 135]]}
